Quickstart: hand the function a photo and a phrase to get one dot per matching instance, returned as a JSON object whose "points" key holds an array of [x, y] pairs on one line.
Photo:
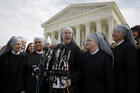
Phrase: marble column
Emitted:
{"points": [[87, 27], [78, 34], [110, 29], [52, 36], [46, 35], [59, 38], [98, 26]]}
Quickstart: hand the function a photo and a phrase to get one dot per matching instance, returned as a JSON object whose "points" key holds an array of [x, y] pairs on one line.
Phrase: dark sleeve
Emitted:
{"points": [[109, 76], [21, 76], [131, 64], [78, 66], [1, 70]]}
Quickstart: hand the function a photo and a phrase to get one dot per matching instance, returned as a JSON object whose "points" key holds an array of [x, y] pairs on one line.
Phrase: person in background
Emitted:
{"points": [[85, 47], [55, 43], [125, 60], [10, 63], [30, 48], [98, 65], [136, 34], [47, 45], [24, 40]]}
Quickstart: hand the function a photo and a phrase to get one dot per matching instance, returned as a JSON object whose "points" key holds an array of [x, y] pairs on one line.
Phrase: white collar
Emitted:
{"points": [[120, 42], [95, 51], [22, 50], [15, 53], [41, 52]]}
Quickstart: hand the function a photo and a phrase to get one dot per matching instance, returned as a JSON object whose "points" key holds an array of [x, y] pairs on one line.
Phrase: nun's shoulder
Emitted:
{"points": [[102, 53], [128, 45], [6, 55], [74, 45]]}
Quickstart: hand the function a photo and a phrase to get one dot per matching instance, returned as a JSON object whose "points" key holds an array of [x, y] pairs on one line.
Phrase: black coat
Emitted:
{"points": [[125, 67], [98, 73], [9, 69]]}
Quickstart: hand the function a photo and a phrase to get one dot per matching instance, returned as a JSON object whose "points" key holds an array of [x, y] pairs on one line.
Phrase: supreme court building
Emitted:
{"points": [[85, 18]]}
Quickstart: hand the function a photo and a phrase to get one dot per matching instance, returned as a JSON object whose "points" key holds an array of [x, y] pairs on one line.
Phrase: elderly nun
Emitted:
{"points": [[7, 47], [10, 63], [24, 41], [47, 45], [125, 60], [75, 62], [27, 83], [98, 65]]}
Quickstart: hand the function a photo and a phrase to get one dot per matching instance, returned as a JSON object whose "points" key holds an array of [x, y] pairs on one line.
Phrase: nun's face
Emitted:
{"points": [[67, 36], [135, 34], [117, 36], [90, 43], [23, 44], [39, 45], [17, 47], [47, 45]]}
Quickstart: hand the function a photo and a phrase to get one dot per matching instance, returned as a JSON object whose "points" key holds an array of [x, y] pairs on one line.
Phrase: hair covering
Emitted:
{"points": [[48, 42], [70, 29], [23, 38], [56, 42], [126, 32], [9, 46], [100, 39], [41, 39]]}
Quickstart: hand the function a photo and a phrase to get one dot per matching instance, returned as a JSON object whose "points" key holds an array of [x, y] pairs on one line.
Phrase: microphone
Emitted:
{"points": [[57, 54]]}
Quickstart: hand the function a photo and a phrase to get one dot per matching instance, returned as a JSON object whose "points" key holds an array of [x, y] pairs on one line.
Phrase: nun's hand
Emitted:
{"points": [[22, 92], [68, 82]]}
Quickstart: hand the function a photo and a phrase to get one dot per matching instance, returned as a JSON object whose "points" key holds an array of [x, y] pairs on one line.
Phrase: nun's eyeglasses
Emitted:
{"points": [[67, 33]]}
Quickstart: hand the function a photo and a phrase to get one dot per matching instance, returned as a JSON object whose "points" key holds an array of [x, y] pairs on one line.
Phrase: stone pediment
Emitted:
{"points": [[75, 10]]}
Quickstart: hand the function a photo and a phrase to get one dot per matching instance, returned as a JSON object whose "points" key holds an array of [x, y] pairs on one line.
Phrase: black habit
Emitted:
{"points": [[9, 69], [98, 73], [75, 65], [27, 81], [125, 68]]}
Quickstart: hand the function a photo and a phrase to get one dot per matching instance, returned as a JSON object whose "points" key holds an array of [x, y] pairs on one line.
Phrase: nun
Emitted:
{"points": [[7, 47], [23, 40], [56, 43], [98, 65], [125, 60], [27, 82], [47, 45], [10, 63], [75, 61]]}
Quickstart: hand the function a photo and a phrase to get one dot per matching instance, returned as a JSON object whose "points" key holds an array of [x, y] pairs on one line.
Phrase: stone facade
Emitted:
{"points": [[84, 19]]}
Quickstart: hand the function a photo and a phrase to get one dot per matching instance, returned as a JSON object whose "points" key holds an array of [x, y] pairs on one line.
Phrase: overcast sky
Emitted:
{"points": [[24, 17]]}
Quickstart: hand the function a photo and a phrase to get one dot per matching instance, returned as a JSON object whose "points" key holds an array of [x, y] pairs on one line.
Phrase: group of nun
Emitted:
{"points": [[101, 68]]}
